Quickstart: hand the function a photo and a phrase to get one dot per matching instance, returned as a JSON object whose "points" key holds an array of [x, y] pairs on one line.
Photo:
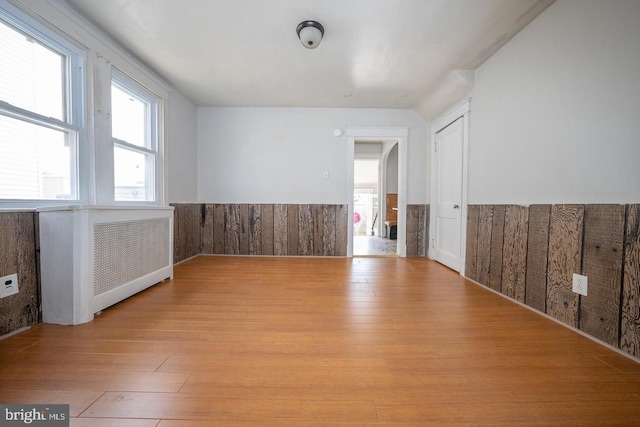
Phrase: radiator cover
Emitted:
{"points": [[94, 257]]}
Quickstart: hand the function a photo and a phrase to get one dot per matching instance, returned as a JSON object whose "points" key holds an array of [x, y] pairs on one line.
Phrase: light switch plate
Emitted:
{"points": [[8, 285], [580, 284]]}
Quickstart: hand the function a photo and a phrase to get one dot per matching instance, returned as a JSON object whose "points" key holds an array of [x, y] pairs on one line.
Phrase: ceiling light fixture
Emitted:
{"points": [[310, 33]]}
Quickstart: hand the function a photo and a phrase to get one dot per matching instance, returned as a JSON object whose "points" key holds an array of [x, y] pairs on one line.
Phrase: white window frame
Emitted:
{"points": [[152, 152], [73, 125]]}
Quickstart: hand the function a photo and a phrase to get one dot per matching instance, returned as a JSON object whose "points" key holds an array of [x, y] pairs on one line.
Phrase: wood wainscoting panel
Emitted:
{"points": [[187, 230], [244, 229], [423, 231], [232, 226], [417, 227], [630, 324], [259, 229], [280, 230], [537, 252], [292, 229], [194, 234], [342, 229], [328, 230], [318, 229], [514, 255], [497, 243], [255, 229], [602, 252], [206, 228], [471, 263], [179, 233], [267, 229], [565, 257], [483, 254], [305, 230], [18, 256], [412, 224], [218, 228], [534, 252]]}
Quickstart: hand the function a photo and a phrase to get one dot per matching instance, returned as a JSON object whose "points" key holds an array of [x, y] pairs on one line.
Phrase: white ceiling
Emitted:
{"points": [[416, 54]]}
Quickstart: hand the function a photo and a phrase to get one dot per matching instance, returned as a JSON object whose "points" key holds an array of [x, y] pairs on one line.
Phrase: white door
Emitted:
{"points": [[448, 197]]}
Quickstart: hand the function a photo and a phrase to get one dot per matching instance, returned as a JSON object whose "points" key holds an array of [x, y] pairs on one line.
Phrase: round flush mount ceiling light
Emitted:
{"points": [[310, 33]]}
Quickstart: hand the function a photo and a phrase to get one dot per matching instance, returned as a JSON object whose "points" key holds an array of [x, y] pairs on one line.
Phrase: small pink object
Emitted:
{"points": [[356, 218]]}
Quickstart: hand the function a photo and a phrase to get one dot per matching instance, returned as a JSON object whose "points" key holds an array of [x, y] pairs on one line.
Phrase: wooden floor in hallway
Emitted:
{"points": [[253, 341]]}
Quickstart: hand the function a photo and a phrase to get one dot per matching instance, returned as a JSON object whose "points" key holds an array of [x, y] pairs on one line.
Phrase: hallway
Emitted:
{"points": [[374, 246]]}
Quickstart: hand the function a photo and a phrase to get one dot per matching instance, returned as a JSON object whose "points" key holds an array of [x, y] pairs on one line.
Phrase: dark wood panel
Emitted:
{"points": [[342, 229], [186, 231], [305, 229], [423, 231], [537, 252], [280, 230], [413, 218], [255, 229], [18, 256], [483, 253], [565, 256], [497, 243], [232, 227], [194, 231], [470, 269], [602, 264], [266, 216], [329, 230], [38, 277], [292, 229], [630, 325], [206, 236], [514, 254], [318, 229], [244, 229], [218, 228], [178, 235]]}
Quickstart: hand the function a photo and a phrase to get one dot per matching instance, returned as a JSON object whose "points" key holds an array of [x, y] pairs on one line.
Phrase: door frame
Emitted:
{"points": [[401, 135], [460, 110]]}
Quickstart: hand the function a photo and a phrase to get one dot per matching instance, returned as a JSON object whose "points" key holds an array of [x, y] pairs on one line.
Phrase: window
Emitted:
{"points": [[48, 154], [134, 116], [39, 111]]}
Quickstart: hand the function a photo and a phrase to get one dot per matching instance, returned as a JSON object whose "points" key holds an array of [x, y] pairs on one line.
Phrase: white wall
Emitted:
{"points": [[555, 114], [392, 170], [182, 149], [278, 155], [364, 150]]}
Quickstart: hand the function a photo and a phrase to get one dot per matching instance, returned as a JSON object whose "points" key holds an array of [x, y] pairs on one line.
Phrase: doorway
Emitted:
{"points": [[372, 234], [397, 135]]}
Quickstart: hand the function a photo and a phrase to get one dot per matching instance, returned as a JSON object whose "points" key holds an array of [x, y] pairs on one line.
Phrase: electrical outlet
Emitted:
{"points": [[8, 285], [580, 283]]}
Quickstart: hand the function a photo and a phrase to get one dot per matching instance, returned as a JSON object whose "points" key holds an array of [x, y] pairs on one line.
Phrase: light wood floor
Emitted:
{"points": [[305, 341]]}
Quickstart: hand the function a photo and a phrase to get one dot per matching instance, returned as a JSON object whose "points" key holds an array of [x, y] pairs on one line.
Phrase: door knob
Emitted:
{"points": [[456, 207]]}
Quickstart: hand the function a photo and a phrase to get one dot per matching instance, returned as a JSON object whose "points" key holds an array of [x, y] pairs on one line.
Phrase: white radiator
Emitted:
{"points": [[94, 257]]}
